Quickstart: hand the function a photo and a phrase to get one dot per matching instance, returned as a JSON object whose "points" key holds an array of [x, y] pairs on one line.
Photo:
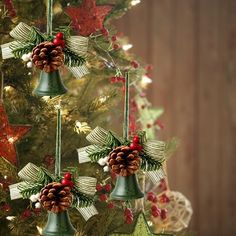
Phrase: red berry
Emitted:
{"points": [[129, 219], [116, 46], [108, 187], [156, 213], [163, 214], [111, 205], [133, 146], [150, 196], [59, 42], [26, 214], [164, 198], [134, 64], [113, 38], [103, 197], [128, 212], [154, 208], [136, 139], [154, 199], [139, 147], [67, 176], [105, 32], [67, 182], [99, 187], [59, 35]]}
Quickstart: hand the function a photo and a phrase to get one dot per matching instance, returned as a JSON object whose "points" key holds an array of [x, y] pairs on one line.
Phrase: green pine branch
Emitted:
{"points": [[29, 188], [72, 59], [21, 48], [149, 164], [96, 152], [80, 199]]}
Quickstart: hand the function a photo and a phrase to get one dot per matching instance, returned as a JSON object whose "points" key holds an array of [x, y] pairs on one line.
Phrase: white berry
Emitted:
{"points": [[33, 198], [106, 169], [25, 57], [102, 162], [37, 195], [37, 205], [29, 55], [29, 64]]}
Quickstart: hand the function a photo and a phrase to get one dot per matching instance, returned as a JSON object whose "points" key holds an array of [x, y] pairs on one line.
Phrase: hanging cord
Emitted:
{"points": [[2, 86], [58, 141], [49, 17], [126, 108]]}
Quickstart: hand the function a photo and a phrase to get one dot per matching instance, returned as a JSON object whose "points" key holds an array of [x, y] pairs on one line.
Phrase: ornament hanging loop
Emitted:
{"points": [[58, 141], [49, 17], [126, 108]]}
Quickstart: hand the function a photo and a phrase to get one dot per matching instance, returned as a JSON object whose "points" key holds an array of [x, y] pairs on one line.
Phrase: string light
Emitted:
{"points": [[145, 81], [135, 2], [126, 47], [8, 88], [11, 140], [40, 230], [10, 218]]}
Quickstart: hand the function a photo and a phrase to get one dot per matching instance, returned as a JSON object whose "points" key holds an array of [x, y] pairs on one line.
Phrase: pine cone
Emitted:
{"points": [[47, 56], [124, 161], [56, 197]]}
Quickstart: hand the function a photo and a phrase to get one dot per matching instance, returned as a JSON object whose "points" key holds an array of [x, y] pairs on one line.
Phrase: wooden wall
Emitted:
{"points": [[192, 44]]}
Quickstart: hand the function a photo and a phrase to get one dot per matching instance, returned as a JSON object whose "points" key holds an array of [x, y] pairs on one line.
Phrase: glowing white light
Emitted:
{"points": [[135, 2], [5, 177], [40, 230], [11, 140], [11, 218], [126, 47], [146, 80], [8, 88]]}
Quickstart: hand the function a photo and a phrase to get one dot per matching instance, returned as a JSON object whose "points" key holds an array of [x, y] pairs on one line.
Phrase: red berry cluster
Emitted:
{"points": [[155, 210], [103, 190], [135, 144], [67, 180], [128, 215], [10, 8], [134, 64], [105, 32], [28, 213], [164, 198], [162, 185], [117, 79], [59, 40]]}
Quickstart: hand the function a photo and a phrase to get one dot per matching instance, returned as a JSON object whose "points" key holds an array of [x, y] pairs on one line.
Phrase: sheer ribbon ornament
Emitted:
{"points": [[123, 158], [47, 54]]}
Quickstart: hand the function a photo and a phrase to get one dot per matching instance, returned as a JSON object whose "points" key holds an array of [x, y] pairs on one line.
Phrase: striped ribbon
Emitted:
{"points": [[87, 212], [79, 71], [98, 136], [155, 176], [83, 156], [78, 44], [30, 173], [22, 32], [86, 184], [155, 149]]}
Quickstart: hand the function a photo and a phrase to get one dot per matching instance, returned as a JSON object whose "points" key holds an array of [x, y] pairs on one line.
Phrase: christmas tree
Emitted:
{"points": [[78, 38]]}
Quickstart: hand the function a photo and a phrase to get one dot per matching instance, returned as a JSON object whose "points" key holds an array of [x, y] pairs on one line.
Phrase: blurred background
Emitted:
{"points": [[192, 46]]}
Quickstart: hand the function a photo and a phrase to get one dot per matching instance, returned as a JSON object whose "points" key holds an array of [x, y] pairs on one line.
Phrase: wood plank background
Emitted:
{"points": [[192, 44]]}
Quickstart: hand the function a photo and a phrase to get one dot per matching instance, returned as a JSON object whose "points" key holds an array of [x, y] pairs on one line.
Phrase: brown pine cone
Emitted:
{"points": [[47, 56], [124, 161], [56, 197]]}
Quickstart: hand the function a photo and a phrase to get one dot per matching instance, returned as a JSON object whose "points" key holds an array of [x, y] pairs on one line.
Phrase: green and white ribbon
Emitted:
{"points": [[155, 149], [29, 173], [155, 176], [98, 136], [86, 184], [87, 212], [83, 155]]}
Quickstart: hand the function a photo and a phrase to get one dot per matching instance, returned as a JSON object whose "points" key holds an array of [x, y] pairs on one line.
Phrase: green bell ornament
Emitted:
{"points": [[59, 224], [50, 84], [127, 188]]}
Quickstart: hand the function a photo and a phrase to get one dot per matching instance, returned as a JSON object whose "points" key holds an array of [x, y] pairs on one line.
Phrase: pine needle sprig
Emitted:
{"points": [[96, 152], [80, 199], [72, 59], [28, 188], [149, 164]]}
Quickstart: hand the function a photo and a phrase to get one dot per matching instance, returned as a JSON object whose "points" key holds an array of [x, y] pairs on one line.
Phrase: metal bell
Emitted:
{"points": [[59, 225], [50, 84], [126, 188]]}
